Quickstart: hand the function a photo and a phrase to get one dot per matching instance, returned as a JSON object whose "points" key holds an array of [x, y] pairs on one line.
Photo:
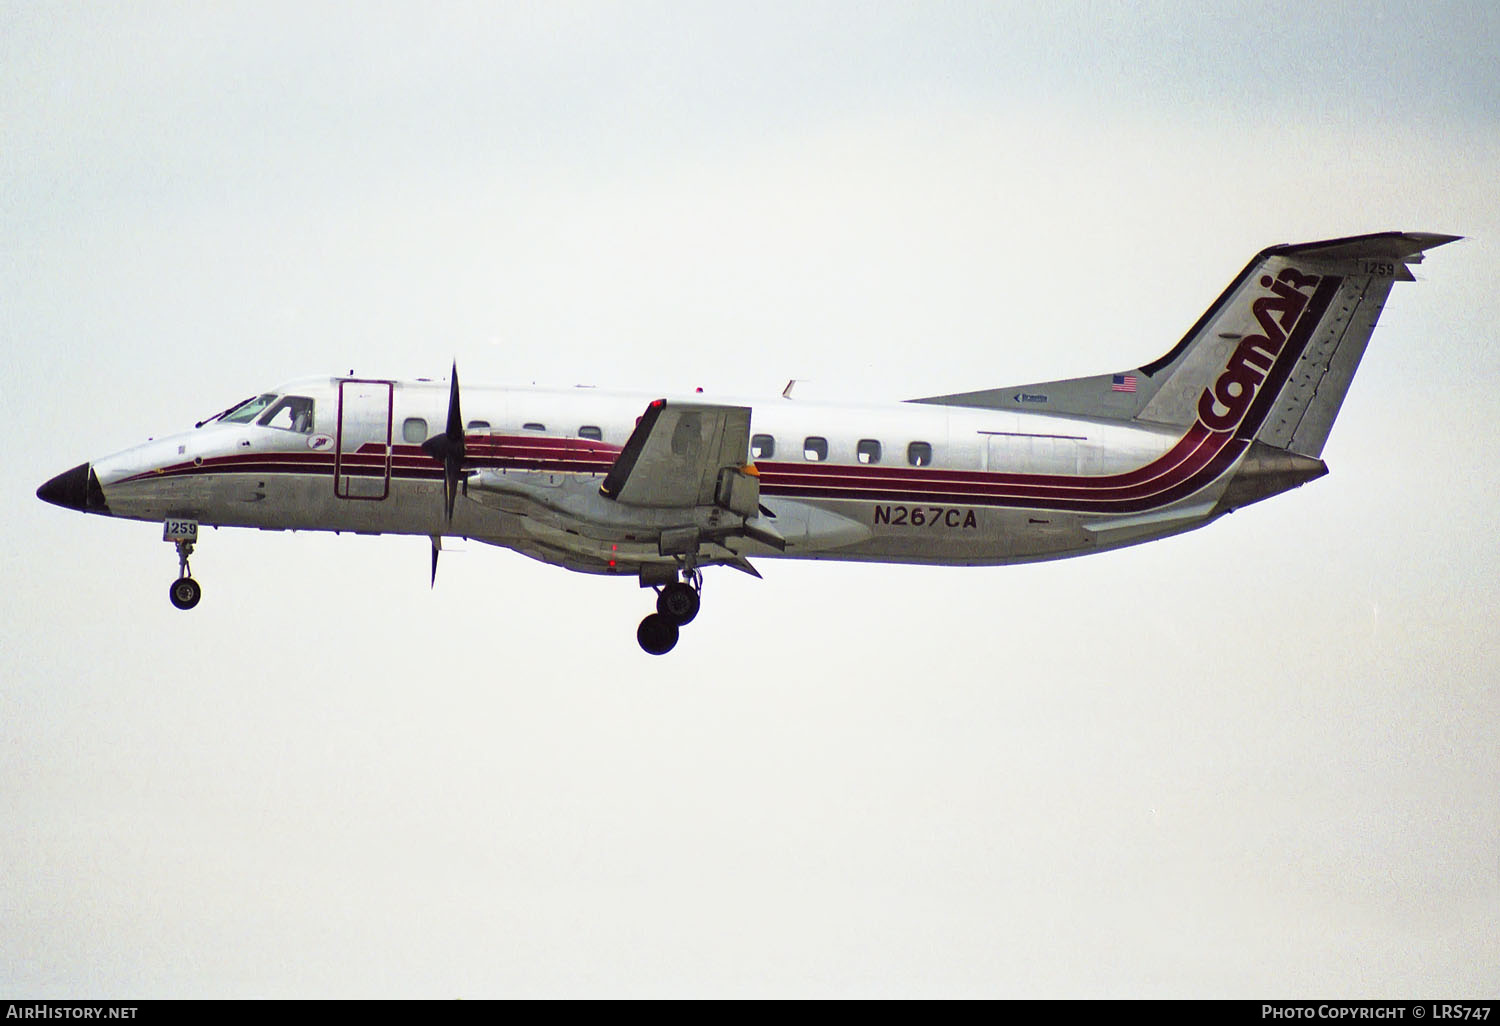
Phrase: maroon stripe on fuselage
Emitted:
{"points": [[1141, 487], [1186, 457], [790, 473], [1104, 494]]}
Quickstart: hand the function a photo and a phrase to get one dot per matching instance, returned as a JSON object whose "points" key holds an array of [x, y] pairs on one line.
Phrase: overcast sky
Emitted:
{"points": [[1255, 760]]}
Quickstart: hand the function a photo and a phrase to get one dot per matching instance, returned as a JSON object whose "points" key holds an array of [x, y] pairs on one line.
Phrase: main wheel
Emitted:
{"points": [[657, 634], [185, 593], [678, 602]]}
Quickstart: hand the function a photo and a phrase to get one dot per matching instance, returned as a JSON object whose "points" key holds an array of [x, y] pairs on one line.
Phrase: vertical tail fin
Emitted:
{"points": [[1270, 361], [1273, 358]]}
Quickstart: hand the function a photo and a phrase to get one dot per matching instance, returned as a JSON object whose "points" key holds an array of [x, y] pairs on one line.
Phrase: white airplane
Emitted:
{"points": [[657, 489]]}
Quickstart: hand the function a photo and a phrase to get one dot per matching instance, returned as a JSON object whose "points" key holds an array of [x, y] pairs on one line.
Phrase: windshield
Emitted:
{"points": [[294, 413], [245, 412]]}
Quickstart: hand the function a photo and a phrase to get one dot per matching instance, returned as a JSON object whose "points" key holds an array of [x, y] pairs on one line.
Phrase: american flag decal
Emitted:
{"points": [[1122, 383]]}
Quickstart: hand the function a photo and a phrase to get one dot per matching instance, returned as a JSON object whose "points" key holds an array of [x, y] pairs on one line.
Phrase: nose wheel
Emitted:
{"points": [[676, 605], [185, 593]]}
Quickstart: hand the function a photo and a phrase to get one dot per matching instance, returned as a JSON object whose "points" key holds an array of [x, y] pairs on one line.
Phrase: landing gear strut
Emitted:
{"points": [[185, 592], [676, 605]]}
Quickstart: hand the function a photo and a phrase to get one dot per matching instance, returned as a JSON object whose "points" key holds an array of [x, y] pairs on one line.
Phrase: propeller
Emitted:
{"points": [[448, 448]]}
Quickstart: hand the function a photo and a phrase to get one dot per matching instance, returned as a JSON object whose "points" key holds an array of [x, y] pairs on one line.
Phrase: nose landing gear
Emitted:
{"points": [[185, 592], [676, 605]]}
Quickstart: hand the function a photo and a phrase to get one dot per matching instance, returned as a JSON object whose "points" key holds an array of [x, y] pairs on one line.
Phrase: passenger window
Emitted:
{"points": [[414, 430], [478, 426], [762, 447], [533, 426], [294, 413], [919, 454], [867, 451], [591, 432], [815, 449]]}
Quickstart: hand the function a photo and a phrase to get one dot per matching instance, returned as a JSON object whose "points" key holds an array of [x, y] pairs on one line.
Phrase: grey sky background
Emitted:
{"points": [[1255, 760]]}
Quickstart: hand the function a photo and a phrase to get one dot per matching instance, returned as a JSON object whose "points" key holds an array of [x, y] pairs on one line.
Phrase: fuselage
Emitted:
{"points": [[898, 482]]}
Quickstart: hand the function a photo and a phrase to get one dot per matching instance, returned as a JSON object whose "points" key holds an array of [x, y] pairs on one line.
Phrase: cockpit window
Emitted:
{"points": [[293, 413], [246, 411]]}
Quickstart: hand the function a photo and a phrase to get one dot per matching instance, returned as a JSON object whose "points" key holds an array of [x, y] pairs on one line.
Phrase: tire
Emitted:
{"points": [[678, 602], [185, 593], [656, 634]]}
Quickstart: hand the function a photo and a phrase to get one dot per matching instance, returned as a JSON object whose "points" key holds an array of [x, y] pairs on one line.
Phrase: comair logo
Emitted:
{"points": [[1222, 407]]}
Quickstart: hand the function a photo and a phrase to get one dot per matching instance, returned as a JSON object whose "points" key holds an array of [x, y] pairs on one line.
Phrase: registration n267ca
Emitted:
{"points": [[926, 516]]}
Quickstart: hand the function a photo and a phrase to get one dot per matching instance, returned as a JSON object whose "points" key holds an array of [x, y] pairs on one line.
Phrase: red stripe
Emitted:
{"points": [[1191, 453], [1193, 461], [1185, 456], [1184, 462]]}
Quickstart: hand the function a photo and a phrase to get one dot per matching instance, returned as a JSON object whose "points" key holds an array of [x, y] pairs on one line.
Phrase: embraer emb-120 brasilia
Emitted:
{"points": [[657, 489]]}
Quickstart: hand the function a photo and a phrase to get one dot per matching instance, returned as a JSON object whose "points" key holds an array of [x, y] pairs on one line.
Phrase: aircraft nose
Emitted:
{"points": [[75, 489]]}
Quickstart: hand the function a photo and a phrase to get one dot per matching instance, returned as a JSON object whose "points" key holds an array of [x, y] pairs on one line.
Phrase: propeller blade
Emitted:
{"points": [[450, 485], [437, 546], [449, 447], [455, 419]]}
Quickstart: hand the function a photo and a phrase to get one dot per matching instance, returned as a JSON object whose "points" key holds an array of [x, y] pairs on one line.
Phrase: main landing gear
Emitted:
{"points": [[185, 592], [676, 605]]}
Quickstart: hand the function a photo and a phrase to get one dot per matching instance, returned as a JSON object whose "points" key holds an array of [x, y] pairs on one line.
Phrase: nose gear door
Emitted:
{"points": [[362, 444]]}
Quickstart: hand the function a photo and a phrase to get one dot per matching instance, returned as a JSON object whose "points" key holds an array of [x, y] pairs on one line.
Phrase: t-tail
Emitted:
{"points": [[1263, 372]]}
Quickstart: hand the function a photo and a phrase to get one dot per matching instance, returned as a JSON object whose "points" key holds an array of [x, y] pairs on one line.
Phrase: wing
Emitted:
{"points": [[677, 456]]}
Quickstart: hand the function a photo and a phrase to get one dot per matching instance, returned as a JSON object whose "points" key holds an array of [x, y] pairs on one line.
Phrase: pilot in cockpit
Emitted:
{"points": [[292, 413]]}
